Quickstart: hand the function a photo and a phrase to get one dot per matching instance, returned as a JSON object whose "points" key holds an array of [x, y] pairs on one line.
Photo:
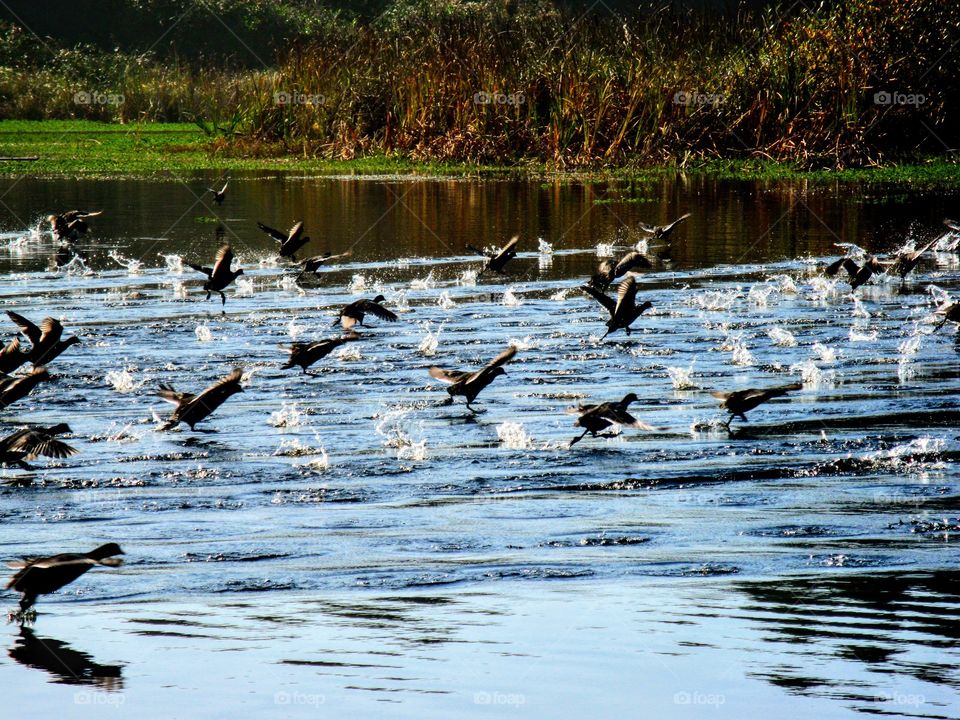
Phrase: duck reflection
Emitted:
{"points": [[66, 665], [886, 623]]}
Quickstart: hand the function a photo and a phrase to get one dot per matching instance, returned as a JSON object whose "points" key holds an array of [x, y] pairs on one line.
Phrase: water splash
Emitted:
{"points": [[294, 330], [203, 333], [431, 340], [812, 376], [759, 294], [288, 416], [173, 262], [682, 378], [133, 267], [467, 278], [513, 436], [560, 295], [857, 335], [716, 299], [121, 381], [427, 283], [510, 299], [825, 354], [244, 287], [358, 284], [604, 250], [445, 302], [782, 337], [544, 247], [859, 311], [179, 290], [347, 353]]}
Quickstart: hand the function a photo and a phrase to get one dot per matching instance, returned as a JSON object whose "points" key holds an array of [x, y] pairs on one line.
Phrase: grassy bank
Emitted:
{"points": [[832, 85], [91, 149]]}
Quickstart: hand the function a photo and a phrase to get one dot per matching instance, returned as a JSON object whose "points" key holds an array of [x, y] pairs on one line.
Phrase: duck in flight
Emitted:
{"points": [[220, 276], [596, 418], [191, 409], [313, 264], [31, 442], [45, 339], [354, 313], [69, 226], [607, 272], [858, 274], [662, 232], [739, 402], [290, 241], [219, 195], [496, 261], [306, 354], [41, 576], [469, 384], [624, 311]]}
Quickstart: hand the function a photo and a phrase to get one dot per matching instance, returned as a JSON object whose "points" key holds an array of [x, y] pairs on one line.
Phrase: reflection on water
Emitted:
{"points": [[63, 663], [344, 538]]}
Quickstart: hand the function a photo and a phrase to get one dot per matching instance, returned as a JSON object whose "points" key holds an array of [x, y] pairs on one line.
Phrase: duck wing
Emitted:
{"points": [[668, 228], [273, 232], [608, 302], [626, 296], [448, 376], [168, 393], [509, 251], [31, 331], [51, 331], [374, 308], [630, 261], [34, 443], [221, 264], [214, 395]]}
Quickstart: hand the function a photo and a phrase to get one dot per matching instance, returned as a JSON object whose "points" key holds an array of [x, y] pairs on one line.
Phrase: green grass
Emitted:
{"points": [[91, 149]]}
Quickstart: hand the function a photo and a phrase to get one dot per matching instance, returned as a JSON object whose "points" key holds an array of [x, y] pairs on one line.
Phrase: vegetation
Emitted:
{"points": [[850, 83]]}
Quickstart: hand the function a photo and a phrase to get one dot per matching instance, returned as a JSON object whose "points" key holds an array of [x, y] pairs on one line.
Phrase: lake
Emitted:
{"points": [[348, 543]]}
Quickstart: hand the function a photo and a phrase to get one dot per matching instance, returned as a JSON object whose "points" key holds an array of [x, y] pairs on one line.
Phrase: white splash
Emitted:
{"points": [[244, 287], [560, 295], [179, 290], [859, 311], [857, 335], [759, 295], [513, 436], [358, 283], [445, 302], [134, 267], [203, 333], [812, 376], [510, 299], [121, 381], [289, 284], [826, 354], [739, 352], [174, 263], [521, 345], [681, 377], [910, 346], [427, 283], [400, 301], [716, 299], [604, 250], [782, 337], [288, 416], [642, 246], [544, 247], [347, 352], [431, 340], [294, 330], [467, 278], [786, 284]]}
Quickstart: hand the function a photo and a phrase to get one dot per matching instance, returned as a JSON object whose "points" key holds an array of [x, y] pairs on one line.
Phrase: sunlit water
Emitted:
{"points": [[346, 542]]}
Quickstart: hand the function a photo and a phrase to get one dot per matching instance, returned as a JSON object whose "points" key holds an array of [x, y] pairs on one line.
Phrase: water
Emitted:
{"points": [[346, 542]]}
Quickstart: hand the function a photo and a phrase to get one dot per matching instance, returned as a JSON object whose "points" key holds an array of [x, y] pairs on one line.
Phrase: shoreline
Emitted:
{"points": [[95, 150]]}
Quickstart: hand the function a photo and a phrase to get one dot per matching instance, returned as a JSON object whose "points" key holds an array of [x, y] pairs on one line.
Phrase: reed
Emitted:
{"points": [[846, 83]]}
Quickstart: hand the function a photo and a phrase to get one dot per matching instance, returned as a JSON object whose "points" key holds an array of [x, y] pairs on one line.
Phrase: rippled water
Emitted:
{"points": [[345, 542]]}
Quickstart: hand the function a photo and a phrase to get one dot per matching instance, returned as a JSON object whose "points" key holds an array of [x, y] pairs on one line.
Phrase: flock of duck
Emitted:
{"points": [[38, 576]]}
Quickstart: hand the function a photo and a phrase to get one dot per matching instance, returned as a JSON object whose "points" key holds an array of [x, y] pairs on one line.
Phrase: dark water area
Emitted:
{"points": [[346, 543]]}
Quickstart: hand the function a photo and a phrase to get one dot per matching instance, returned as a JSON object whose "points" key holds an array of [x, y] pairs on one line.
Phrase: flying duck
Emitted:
{"points": [[607, 272], [40, 576], [17, 388], [662, 232], [220, 275], [354, 313], [221, 194], [313, 264], [469, 384], [47, 344], [739, 402], [623, 311], [70, 225], [306, 354], [496, 261], [191, 409], [290, 241], [29, 443], [596, 418]]}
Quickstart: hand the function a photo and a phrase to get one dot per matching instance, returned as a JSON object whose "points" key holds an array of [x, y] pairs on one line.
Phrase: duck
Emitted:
{"points": [[497, 261], [219, 195], [607, 271], [70, 225], [907, 261], [950, 312], [31, 442], [46, 341], [220, 276], [739, 402], [662, 232], [306, 354], [596, 418], [191, 409], [470, 384], [859, 275], [623, 311], [354, 313], [41, 576], [17, 388], [12, 357], [290, 241], [313, 264]]}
